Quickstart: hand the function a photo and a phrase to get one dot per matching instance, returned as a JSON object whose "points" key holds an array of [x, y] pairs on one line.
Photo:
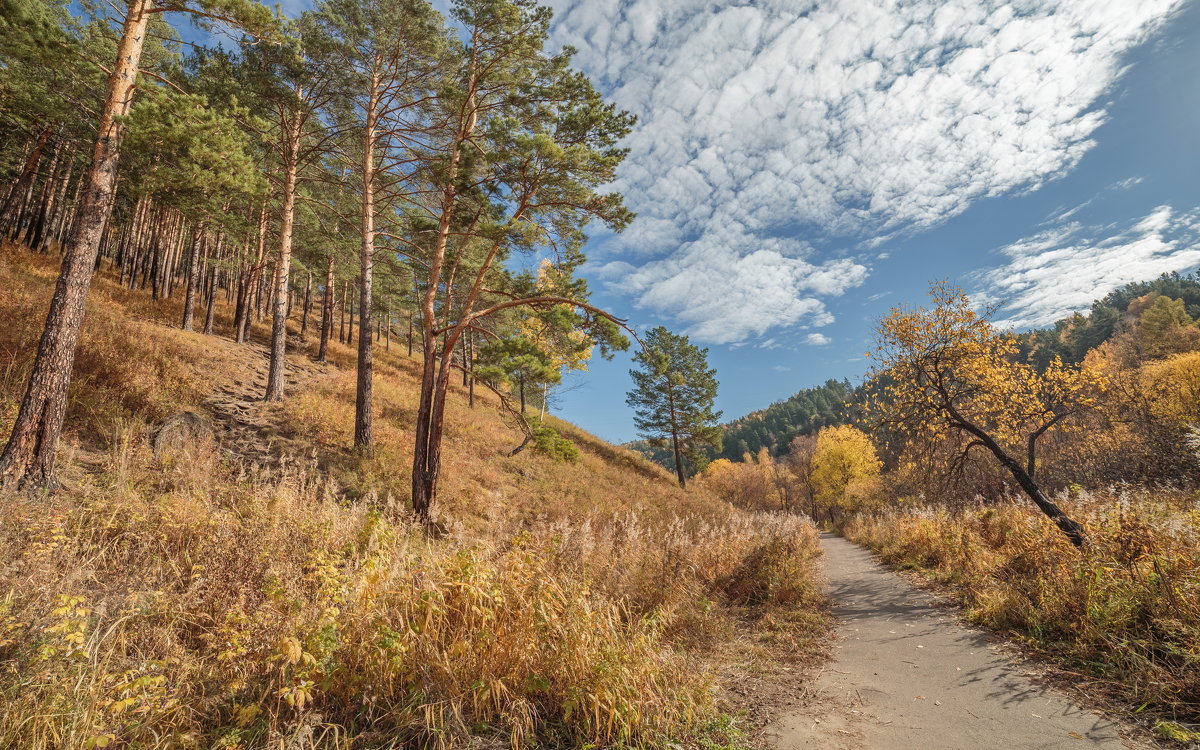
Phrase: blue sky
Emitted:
{"points": [[799, 168]]}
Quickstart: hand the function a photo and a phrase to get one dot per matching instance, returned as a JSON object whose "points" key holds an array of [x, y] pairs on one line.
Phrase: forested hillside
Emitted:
{"points": [[1121, 314], [777, 425], [774, 427], [280, 315], [1070, 339]]}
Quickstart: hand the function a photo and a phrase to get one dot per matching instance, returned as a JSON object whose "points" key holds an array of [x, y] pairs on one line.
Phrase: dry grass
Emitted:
{"points": [[1126, 609], [184, 602]]}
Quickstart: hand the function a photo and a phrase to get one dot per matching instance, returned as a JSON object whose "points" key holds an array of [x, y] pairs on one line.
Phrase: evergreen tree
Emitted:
{"points": [[28, 458], [673, 398]]}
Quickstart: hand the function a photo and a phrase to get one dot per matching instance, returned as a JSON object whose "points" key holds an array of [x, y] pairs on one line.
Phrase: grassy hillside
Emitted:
{"points": [[267, 589]]}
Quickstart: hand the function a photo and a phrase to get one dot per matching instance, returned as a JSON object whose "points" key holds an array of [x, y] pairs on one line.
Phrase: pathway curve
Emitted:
{"points": [[906, 676]]}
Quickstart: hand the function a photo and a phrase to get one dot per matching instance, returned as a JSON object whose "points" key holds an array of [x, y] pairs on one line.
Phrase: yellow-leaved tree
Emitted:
{"points": [[551, 331], [945, 372], [844, 471]]}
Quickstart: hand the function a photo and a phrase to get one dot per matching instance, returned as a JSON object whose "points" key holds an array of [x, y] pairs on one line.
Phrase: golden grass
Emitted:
{"points": [[1126, 609], [187, 601]]}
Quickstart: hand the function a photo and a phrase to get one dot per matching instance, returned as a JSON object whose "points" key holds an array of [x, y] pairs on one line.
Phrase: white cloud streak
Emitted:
{"points": [[842, 120], [1063, 270]]}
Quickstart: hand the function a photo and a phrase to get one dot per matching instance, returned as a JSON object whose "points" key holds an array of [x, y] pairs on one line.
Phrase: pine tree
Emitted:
{"points": [[518, 163], [388, 58], [673, 398], [28, 458]]}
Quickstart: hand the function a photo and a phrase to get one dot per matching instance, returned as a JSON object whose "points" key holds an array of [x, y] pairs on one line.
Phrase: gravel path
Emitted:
{"points": [[905, 675]]}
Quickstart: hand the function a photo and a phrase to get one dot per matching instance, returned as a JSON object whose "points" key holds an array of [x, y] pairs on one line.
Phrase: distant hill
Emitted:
{"points": [[773, 427], [1069, 339], [1074, 336]]}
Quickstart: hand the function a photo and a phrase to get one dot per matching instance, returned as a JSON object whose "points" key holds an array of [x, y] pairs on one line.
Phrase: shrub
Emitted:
{"points": [[547, 441]]}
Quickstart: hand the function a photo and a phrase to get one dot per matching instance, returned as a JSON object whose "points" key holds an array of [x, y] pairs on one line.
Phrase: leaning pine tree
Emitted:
{"points": [[672, 398]]}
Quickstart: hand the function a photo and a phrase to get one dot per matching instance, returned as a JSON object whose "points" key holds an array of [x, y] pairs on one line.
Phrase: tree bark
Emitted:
{"points": [[193, 280], [675, 442], [36, 233], [8, 214], [254, 277], [29, 456], [362, 403], [342, 316], [327, 310], [283, 264], [471, 366], [306, 306], [212, 294], [435, 376]]}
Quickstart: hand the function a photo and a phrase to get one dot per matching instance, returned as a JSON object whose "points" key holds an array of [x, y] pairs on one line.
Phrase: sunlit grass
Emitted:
{"points": [[1125, 609]]}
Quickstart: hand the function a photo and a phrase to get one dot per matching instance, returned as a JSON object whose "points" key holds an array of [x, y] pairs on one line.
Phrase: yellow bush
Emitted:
{"points": [[1175, 384]]}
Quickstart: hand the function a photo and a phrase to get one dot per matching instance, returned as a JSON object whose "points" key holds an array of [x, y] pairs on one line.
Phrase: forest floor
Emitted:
{"points": [[248, 427], [906, 674]]}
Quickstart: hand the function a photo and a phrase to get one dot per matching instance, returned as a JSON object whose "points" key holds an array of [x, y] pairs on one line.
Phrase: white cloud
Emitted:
{"points": [[845, 120], [1157, 221], [817, 339], [1060, 271], [725, 296]]}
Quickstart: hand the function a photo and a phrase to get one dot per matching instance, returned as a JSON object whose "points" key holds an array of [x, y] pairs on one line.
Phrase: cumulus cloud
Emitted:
{"points": [[841, 121], [817, 339], [735, 286], [1060, 271]]}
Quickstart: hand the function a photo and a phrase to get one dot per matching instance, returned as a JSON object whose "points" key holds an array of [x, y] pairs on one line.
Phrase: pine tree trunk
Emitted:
{"points": [[675, 440], [29, 456], [471, 367], [37, 230], [161, 264], [66, 217], [254, 276], [327, 310], [9, 224], [342, 316], [212, 298], [306, 306], [363, 437], [193, 280], [427, 452], [466, 375], [283, 264]]}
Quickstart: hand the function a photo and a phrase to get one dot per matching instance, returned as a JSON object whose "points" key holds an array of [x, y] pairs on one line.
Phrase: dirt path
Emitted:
{"points": [[247, 427], [905, 675]]}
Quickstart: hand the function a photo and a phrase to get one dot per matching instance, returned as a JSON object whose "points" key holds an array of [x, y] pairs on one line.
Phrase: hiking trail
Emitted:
{"points": [[905, 675]]}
